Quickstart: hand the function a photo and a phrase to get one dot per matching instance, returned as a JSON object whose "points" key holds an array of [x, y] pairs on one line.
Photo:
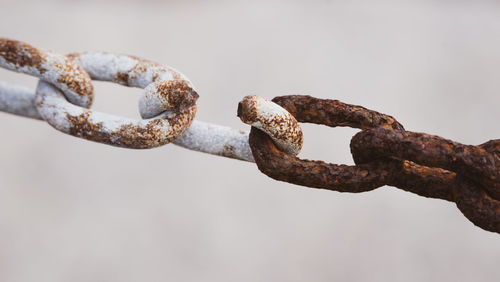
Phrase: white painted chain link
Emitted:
{"points": [[167, 105]]}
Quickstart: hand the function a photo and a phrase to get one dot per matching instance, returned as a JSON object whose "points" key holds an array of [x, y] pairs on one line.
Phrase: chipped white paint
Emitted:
{"points": [[157, 96], [274, 120]]}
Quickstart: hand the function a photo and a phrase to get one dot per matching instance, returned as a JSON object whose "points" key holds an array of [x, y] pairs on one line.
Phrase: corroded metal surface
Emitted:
{"points": [[200, 136], [430, 150], [178, 107], [163, 85], [386, 154], [334, 113], [269, 117], [57, 69], [167, 103]]}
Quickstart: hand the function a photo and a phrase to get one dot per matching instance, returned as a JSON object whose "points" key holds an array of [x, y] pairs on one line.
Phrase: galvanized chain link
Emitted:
{"points": [[384, 152]]}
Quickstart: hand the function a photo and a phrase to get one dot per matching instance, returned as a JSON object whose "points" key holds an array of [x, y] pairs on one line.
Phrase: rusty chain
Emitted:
{"points": [[384, 152]]}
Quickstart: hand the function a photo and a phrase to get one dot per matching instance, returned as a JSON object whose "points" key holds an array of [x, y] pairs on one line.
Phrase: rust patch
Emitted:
{"points": [[82, 127], [77, 79], [176, 94], [131, 135], [143, 65], [229, 152], [21, 54], [274, 120], [122, 78], [18, 55], [247, 110], [292, 132]]}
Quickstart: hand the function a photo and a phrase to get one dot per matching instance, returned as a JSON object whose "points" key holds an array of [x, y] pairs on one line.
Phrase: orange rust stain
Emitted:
{"points": [[82, 127], [122, 78], [229, 151], [247, 110], [75, 77], [128, 135], [177, 94], [21, 54], [134, 136]]}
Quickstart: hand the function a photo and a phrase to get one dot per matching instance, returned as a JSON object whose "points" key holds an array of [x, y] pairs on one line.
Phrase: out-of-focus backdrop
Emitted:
{"points": [[73, 210]]}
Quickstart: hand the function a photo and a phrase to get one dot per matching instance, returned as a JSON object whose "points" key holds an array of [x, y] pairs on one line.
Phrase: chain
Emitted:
{"points": [[167, 106], [384, 152]]}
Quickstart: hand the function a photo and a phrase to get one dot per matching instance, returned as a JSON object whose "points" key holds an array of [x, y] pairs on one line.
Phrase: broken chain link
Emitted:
{"points": [[384, 152]]}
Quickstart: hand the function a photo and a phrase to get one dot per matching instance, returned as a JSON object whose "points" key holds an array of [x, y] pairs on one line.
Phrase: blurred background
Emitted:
{"points": [[74, 210]]}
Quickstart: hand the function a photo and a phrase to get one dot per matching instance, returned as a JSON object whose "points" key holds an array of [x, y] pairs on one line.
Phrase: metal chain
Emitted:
{"points": [[384, 152], [168, 104]]}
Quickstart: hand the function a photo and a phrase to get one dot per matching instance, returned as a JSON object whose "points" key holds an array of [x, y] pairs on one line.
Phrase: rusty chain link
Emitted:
{"points": [[384, 152]]}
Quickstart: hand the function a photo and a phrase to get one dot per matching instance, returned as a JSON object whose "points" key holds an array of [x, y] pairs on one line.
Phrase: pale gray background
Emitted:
{"points": [[73, 210]]}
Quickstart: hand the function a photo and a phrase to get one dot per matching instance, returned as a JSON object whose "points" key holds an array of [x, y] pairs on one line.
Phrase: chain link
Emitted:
{"points": [[384, 152], [168, 104], [56, 69], [171, 111]]}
